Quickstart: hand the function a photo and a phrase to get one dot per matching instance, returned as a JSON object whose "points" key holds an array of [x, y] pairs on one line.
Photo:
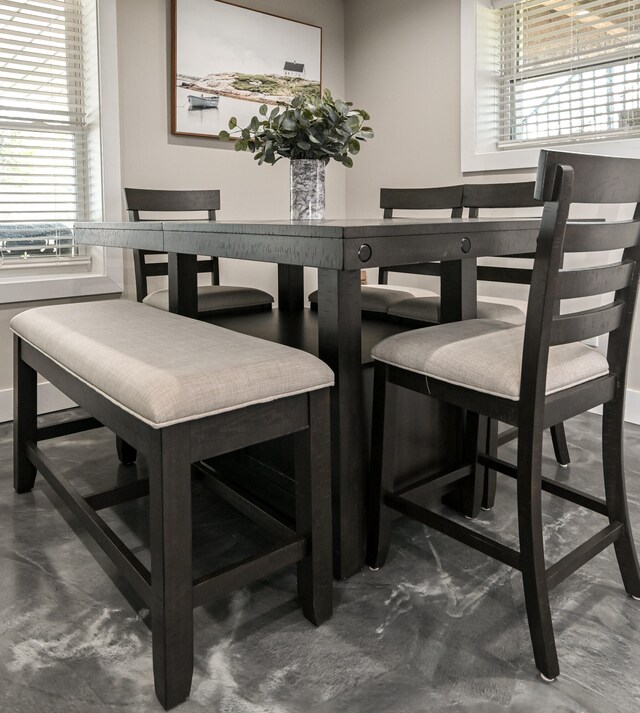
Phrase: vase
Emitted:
{"points": [[307, 189]]}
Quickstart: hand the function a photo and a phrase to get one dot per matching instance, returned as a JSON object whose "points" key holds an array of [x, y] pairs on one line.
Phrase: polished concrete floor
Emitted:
{"points": [[439, 628]]}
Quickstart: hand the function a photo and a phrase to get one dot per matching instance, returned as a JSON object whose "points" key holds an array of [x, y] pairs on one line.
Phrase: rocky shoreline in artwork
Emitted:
{"points": [[261, 88]]}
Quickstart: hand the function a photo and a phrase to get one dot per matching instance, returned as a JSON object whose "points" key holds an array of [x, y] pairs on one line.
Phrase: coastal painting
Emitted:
{"points": [[228, 60]]}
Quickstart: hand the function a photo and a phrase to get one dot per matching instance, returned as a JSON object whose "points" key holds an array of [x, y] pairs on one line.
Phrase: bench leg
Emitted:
{"points": [[127, 454], [171, 575], [313, 510], [25, 413]]}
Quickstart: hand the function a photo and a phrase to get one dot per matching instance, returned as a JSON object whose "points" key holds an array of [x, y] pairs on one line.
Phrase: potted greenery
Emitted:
{"points": [[310, 132]]}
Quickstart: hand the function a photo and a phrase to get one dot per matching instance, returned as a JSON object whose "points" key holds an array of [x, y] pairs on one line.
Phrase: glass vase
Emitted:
{"points": [[307, 189]]}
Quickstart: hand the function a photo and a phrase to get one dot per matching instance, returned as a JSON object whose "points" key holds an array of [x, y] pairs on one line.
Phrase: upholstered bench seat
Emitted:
{"points": [[164, 368], [378, 298], [180, 393], [486, 355], [428, 309], [215, 298]]}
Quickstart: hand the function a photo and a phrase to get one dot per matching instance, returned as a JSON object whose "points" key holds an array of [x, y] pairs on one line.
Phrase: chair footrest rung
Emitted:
{"points": [[561, 569], [566, 492], [459, 532], [436, 481], [506, 436]]}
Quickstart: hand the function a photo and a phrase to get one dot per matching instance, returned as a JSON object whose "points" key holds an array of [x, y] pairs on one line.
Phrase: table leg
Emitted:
{"points": [[290, 287], [183, 284], [339, 326], [458, 290]]}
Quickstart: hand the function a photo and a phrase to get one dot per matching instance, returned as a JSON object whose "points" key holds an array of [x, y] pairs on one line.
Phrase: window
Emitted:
{"points": [[569, 70], [548, 72], [44, 132], [59, 154]]}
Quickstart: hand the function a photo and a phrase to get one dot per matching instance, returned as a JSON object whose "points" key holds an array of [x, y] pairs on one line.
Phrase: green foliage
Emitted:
{"points": [[309, 128]]}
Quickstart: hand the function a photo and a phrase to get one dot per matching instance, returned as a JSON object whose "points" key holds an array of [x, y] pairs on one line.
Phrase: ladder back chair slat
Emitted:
{"points": [[590, 281]]}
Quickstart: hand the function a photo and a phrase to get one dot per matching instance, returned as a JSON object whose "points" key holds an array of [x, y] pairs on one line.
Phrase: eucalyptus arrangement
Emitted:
{"points": [[317, 129]]}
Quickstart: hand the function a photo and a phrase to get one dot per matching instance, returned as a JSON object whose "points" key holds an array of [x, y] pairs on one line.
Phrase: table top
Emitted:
{"points": [[346, 244]]}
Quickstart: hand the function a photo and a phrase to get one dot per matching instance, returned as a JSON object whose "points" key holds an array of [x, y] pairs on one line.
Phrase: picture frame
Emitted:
{"points": [[228, 60]]}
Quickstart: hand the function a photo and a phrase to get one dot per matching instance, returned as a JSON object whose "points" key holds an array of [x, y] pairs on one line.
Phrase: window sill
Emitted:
{"points": [[106, 279], [38, 289]]}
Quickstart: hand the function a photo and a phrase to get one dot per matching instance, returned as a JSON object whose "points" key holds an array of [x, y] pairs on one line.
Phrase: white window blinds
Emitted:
{"points": [[43, 131], [568, 70]]}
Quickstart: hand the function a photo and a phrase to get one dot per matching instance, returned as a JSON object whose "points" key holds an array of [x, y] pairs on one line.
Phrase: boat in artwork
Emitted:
{"points": [[203, 102]]}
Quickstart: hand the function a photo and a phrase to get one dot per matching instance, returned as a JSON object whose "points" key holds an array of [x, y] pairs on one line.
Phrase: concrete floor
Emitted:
{"points": [[439, 628]]}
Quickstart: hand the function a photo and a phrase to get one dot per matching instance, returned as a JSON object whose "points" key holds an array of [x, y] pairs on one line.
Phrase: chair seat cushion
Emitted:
{"points": [[486, 355], [164, 368], [215, 297], [378, 298], [427, 309]]}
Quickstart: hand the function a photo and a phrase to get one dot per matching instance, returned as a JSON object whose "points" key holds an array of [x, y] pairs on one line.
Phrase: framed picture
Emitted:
{"points": [[228, 60]]}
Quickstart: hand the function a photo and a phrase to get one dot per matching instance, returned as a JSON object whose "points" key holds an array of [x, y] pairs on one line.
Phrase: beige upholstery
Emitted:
{"points": [[378, 298], [485, 355], [427, 309], [215, 297], [164, 368]]}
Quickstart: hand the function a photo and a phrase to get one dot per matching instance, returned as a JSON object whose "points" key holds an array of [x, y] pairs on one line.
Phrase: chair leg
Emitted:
{"points": [[383, 445], [171, 575], [313, 510], [560, 448], [615, 492], [467, 498], [25, 414], [127, 454], [490, 475], [536, 591]]}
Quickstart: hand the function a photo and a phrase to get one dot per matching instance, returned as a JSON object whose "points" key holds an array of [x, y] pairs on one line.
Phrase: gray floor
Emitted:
{"points": [[439, 628]]}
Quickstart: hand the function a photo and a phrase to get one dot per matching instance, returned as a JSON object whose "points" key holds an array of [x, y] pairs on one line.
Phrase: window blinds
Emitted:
{"points": [[569, 70], [43, 145]]}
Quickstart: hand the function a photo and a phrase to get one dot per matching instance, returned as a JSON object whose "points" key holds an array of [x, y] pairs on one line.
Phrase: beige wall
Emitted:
{"points": [[152, 158], [403, 66]]}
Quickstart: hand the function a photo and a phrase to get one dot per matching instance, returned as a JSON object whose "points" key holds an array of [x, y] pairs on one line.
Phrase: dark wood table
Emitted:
{"points": [[339, 249]]}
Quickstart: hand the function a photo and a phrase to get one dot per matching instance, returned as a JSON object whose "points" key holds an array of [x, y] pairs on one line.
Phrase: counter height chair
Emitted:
{"points": [[532, 377], [212, 299], [515, 196], [426, 307], [376, 299]]}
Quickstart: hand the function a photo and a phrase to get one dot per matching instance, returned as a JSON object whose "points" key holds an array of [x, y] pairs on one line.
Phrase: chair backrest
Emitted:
{"points": [[478, 196], [440, 198], [564, 178], [145, 200]]}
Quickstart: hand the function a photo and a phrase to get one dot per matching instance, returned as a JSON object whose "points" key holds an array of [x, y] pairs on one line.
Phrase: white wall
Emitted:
{"points": [[153, 158], [403, 66]]}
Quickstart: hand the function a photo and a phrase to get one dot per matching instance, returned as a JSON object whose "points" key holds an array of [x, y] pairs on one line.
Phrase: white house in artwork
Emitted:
{"points": [[294, 69]]}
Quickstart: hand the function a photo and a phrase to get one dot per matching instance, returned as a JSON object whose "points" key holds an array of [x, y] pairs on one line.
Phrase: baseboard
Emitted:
{"points": [[632, 407], [49, 399]]}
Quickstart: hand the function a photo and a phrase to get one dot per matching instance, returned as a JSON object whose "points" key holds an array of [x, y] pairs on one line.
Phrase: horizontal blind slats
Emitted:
{"points": [[567, 68], [43, 142]]}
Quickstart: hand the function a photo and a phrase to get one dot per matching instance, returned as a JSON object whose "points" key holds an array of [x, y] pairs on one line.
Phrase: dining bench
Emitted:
{"points": [[180, 391]]}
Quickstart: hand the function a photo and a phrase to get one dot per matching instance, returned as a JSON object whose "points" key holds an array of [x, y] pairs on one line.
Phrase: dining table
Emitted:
{"points": [[339, 249]]}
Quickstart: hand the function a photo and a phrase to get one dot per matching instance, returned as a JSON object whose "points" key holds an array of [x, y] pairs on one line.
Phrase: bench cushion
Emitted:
{"points": [[164, 368], [216, 297], [427, 309], [486, 355], [378, 298]]}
